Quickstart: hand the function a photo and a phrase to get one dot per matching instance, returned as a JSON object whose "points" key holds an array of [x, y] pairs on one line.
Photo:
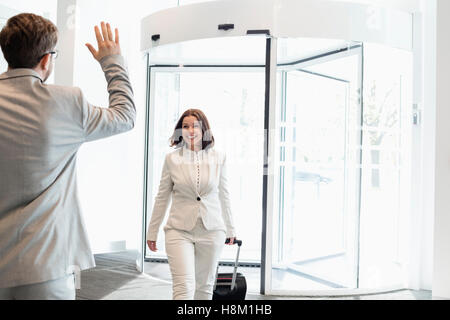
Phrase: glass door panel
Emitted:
{"points": [[386, 168], [232, 98], [316, 220], [224, 77], [317, 170]]}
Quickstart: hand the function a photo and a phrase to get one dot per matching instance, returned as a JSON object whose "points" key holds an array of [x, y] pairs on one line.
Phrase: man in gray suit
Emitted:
{"points": [[43, 240]]}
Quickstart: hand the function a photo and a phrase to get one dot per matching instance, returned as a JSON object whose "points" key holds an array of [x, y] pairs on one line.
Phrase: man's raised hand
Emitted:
{"points": [[107, 45]]}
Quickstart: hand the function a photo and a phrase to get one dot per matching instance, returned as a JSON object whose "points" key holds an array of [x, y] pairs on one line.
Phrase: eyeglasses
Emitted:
{"points": [[53, 53]]}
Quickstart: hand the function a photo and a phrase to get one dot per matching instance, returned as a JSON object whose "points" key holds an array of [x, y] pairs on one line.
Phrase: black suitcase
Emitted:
{"points": [[230, 286]]}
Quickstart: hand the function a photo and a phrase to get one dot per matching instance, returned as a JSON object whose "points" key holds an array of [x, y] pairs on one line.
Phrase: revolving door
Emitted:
{"points": [[317, 108], [317, 136]]}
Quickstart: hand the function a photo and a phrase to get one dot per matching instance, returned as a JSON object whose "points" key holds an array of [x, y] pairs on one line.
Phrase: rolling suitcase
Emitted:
{"points": [[230, 286]]}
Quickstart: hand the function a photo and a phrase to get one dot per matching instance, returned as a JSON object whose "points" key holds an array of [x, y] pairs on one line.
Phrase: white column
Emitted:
{"points": [[66, 23], [441, 268], [425, 155]]}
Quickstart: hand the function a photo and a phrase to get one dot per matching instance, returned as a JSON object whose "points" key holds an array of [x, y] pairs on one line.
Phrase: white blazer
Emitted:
{"points": [[211, 203]]}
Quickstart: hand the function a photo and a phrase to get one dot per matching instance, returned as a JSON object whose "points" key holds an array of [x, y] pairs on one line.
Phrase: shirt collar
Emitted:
{"points": [[189, 151], [19, 73]]}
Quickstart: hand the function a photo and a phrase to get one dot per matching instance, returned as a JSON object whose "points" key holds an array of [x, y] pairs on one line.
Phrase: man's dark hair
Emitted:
{"points": [[26, 38]]}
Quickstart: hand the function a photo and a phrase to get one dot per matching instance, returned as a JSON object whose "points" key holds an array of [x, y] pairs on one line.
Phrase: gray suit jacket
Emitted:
{"points": [[42, 234]]}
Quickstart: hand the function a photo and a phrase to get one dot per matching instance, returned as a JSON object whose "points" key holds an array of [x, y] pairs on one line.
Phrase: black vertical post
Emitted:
{"points": [[266, 165]]}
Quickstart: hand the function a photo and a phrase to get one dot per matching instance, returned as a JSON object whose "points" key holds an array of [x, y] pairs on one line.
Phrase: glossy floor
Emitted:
{"points": [[116, 278]]}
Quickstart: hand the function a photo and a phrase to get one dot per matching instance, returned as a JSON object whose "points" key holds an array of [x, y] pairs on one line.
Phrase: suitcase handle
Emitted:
{"points": [[233, 281], [238, 242]]}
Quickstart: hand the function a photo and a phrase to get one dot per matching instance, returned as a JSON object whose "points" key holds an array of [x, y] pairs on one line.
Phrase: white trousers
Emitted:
{"points": [[193, 258], [59, 289]]}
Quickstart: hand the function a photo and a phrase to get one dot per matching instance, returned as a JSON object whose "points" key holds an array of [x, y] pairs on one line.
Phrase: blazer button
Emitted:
{"points": [[199, 199]]}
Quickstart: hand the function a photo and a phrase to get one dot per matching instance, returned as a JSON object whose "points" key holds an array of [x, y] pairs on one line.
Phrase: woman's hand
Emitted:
{"points": [[152, 246], [230, 241]]}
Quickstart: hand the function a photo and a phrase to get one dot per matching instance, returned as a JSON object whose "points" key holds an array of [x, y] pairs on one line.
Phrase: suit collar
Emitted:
{"points": [[20, 73]]}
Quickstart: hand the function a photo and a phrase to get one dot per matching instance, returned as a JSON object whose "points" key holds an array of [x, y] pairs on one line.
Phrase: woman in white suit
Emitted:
{"points": [[200, 221]]}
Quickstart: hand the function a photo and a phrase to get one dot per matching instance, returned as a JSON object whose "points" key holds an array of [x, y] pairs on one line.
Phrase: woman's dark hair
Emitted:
{"points": [[208, 139], [26, 38]]}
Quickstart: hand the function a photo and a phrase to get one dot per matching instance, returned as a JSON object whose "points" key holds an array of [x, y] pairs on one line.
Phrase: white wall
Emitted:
{"points": [[110, 171], [441, 274], [46, 8]]}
